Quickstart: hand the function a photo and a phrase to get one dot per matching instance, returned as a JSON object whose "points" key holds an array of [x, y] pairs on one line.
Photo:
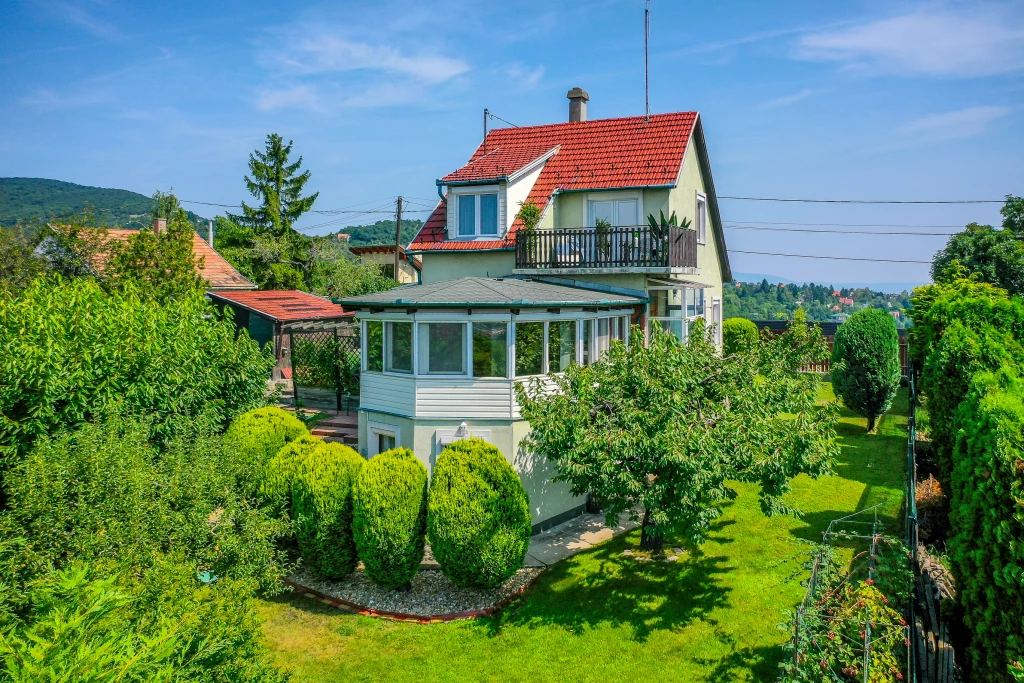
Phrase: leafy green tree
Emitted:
{"points": [[658, 430], [478, 521], [336, 275], [19, 265], [278, 185], [995, 255], [68, 349], [738, 335], [866, 363]]}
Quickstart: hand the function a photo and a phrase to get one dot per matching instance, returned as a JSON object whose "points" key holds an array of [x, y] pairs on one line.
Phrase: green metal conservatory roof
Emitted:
{"points": [[483, 292]]}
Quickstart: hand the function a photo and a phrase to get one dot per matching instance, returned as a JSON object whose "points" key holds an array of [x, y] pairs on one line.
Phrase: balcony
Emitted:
{"points": [[615, 250]]}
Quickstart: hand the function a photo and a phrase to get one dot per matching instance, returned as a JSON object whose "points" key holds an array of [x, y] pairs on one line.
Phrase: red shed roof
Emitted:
{"points": [[284, 305], [604, 154]]}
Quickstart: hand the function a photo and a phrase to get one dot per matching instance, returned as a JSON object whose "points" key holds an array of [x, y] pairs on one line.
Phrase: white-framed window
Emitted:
{"points": [[561, 345], [490, 349], [529, 348], [700, 222], [477, 215], [383, 437], [617, 212], [674, 308], [373, 345], [442, 348], [398, 346]]}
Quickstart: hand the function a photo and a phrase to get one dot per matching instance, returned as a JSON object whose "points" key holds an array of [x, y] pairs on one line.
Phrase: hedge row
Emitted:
{"points": [[967, 339], [344, 508]]}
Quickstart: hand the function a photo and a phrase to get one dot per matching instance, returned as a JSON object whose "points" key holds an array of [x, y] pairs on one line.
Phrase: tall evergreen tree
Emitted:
{"points": [[278, 185]]}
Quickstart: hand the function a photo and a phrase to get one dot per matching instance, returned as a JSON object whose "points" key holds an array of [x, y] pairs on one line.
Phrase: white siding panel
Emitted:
{"points": [[388, 393], [463, 399], [547, 386]]}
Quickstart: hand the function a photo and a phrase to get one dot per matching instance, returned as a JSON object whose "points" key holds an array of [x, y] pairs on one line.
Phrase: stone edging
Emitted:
{"points": [[399, 616]]}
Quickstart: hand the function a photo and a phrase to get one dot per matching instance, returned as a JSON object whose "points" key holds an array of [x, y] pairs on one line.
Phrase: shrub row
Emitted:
{"points": [[967, 339], [345, 509]]}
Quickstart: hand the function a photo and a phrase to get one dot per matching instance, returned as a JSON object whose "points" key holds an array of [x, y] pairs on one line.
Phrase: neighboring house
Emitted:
{"points": [[846, 300], [501, 304], [384, 255], [266, 314]]}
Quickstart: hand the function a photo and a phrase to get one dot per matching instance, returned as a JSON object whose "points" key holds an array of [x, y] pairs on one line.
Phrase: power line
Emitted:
{"points": [[837, 232], [849, 225], [829, 258], [865, 201], [493, 116]]}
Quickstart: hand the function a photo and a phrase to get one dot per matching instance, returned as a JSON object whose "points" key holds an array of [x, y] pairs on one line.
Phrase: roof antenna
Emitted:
{"points": [[647, 78], [486, 114]]}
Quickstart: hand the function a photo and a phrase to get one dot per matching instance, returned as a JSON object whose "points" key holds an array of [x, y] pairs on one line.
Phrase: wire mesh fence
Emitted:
{"points": [[325, 361]]}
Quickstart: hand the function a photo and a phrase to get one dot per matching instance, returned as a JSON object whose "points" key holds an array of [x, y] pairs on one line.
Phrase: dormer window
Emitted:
{"points": [[477, 214]]}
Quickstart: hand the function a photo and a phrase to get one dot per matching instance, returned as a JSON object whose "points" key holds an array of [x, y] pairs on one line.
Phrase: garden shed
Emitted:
{"points": [[265, 314]]}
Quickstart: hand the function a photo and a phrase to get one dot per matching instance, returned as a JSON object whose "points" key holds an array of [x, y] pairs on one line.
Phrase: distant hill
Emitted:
{"points": [[887, 287], [27, 200], [381, 232]]}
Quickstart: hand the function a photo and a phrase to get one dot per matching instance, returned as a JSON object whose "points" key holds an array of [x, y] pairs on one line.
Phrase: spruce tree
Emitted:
{"points": [[278, 184]]}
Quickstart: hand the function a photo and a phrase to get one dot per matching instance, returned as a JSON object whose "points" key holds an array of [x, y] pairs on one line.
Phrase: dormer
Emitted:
{"points": [[484, 195]]}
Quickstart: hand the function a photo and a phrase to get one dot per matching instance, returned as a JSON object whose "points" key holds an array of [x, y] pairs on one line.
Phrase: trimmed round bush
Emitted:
{"points": [[866, 363], [389, 519], [479, 515], [738, 335], [280, 473], [256, 436], [322, 508]]}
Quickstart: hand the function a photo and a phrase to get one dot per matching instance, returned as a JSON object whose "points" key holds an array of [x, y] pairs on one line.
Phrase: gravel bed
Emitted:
{"points": [[432, 594]]}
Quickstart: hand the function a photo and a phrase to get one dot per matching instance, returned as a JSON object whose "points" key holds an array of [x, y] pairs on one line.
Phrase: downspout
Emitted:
{"points": [[439, 192]]}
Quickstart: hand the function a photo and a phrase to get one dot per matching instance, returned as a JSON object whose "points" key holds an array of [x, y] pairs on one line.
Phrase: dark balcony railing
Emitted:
{"points": [[641, 247]]}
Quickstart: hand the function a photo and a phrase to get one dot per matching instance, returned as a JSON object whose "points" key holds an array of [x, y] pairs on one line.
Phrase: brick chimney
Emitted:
{"points": [[159, 225], [578, 98]]}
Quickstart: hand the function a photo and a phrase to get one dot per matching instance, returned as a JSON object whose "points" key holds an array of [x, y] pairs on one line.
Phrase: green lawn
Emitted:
{"points": [[601, 617]]}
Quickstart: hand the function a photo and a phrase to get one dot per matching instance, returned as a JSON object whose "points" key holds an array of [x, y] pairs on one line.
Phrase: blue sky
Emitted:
{"points": [[870, 100]]}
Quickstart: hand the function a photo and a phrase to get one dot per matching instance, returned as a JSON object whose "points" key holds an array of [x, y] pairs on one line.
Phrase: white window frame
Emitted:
{"points": [[467, 349], [375, 430], [685, 318], [386, 339], [700, 221], [597, 197], [475, 192], [509, 344]]}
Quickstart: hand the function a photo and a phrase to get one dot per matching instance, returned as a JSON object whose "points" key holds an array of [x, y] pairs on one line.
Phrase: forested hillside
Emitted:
{"points": [[766, 301], [381, 232], [32, 201]]}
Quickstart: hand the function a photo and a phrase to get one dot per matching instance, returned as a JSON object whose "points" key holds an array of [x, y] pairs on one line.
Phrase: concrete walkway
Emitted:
{"points": [[569, 538]]}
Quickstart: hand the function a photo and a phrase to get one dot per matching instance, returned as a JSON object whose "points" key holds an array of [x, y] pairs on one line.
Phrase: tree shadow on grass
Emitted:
{"points": [[761, 663], [601, 587]]}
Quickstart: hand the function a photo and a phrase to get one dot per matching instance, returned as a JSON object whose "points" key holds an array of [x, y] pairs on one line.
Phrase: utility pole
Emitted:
{"points": [[209, 232], [486, 114], [398, 236], [647, 78]]}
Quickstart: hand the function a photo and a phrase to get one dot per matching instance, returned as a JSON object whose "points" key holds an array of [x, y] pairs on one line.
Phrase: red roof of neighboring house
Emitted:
{"points": [[284, 305], [592, 155], [216, 270]]}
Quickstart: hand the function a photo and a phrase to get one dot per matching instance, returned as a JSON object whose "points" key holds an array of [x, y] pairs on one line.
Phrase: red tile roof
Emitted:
{"points": [[216, 270], [593, 155], [284, 305]]}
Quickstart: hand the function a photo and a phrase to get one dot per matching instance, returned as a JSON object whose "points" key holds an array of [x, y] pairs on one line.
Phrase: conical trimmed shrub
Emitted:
{"points": [[322, 509], [866, 363], [390, 517], [479, 515], [257, 435], [280, 473]]}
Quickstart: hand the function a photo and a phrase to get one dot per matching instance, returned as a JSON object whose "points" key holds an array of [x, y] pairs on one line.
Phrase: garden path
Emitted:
{"points": [[568, 538]]}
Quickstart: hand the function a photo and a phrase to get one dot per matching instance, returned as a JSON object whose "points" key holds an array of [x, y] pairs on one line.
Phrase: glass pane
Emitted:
{"points": [[529, 348], [625, 213], [601, 211], [691, 302], [399, 340], [674, 327], [443, 348], [666, 303], [488, 214], [374, 345], [561, 345], [490, 350], [602, 336], [587, 327], [385, 442], [467, 214], [700, 301]]}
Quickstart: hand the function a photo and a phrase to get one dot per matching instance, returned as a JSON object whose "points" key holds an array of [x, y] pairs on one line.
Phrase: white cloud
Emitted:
{"points": [[790, 99], [976, 40], [303, 96], [960, 123], [524, 77], [329, 54]]}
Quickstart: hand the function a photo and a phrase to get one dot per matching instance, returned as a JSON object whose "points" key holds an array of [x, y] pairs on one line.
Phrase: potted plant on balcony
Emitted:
{"points": [[603, 232], [660, 230]]}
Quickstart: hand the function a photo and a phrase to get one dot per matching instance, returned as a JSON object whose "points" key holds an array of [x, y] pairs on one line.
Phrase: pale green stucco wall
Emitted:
{"points": [[547, 499], [438, 266], [683, 200]]}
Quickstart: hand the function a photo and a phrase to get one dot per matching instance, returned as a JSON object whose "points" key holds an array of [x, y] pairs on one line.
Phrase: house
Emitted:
{"points": [[384, 254], [846, 300], [267, 314], [501, 302]]}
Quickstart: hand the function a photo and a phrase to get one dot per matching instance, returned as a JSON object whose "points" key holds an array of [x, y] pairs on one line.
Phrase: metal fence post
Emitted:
{"points": [[337, 359]]}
